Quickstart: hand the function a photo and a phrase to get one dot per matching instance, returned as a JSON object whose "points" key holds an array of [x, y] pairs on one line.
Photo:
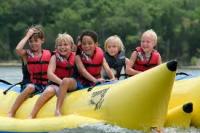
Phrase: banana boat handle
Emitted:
{"points": [[10, 87]]}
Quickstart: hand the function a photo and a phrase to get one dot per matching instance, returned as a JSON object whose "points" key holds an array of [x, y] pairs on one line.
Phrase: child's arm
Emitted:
{"points": [[51, 69], [127, 61], [130, 63], [108, 70], [19, 48], [83, 71], [159, 60]]}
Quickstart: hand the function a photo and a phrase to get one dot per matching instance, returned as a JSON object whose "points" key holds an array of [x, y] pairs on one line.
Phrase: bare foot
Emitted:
{"points": [[57, 113], [30, 117], [10, 115]]}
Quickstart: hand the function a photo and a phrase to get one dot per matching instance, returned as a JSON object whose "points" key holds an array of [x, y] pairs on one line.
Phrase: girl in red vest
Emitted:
{"points": [[90, 60], [145, 56], [60, 70], [36, 59]]}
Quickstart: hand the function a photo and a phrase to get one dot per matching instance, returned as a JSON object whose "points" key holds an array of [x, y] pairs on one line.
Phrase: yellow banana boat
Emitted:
{"points": [[184, 91], [139, 102], [179, 116]]}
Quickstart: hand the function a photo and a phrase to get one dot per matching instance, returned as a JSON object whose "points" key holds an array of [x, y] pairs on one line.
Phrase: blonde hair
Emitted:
{"points": [[117, 40], [64, 37], [152, 34]]}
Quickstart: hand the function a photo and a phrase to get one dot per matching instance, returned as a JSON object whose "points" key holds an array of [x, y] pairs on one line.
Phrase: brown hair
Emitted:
{"points": [[38, 32]]}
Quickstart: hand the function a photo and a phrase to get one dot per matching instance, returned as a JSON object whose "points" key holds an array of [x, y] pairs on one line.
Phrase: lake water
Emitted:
{"points": [[14, 75], [11, 74]]}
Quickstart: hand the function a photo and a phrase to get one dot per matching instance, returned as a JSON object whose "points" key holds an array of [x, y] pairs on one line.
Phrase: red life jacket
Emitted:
{"points": [[142, 64], [37, 67], [93, 65], [64, 67]]}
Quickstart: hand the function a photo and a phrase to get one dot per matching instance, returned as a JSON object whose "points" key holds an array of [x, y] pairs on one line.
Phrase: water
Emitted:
{"points": [[191, 72], [14, 75], [11, 74]]}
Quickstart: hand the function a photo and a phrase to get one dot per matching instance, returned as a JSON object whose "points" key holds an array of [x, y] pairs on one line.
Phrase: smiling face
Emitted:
{"points": [[35, 44], [64, 47], [37, 39], [147, 43], [64, 43], [88, 45]]}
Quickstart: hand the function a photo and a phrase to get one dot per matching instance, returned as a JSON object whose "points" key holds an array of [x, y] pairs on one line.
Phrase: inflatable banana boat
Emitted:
{"points": [[139, 102], [179, 116], [184, 91]]}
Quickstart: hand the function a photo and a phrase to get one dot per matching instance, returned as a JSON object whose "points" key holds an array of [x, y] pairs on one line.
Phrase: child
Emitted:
{"points": [[74, 49], [37, 60], [61, 65], [144, 57], [90, 60], [114, 54]]}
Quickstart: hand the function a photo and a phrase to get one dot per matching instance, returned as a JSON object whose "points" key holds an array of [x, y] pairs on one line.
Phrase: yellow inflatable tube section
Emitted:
{"points": [[180, 116], [184, 91], [45, 124], [139, 102]]}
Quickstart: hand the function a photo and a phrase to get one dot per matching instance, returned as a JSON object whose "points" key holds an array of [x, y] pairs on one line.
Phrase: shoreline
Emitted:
{"points": [[16, 63], [189, 67], [12, 63]]}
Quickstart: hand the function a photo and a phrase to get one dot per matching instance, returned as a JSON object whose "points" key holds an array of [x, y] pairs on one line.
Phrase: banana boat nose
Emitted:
{"points": [[141, 102], [180, 116], [172, 65], [188, 108]]}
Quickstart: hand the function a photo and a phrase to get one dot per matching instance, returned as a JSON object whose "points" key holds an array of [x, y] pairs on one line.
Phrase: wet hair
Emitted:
{"points": [[115, 39], [38, 32], [152, 34], [64, 37], [90, 33]]}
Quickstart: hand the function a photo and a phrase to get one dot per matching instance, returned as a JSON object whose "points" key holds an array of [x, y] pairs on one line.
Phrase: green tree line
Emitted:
{"points": [[176, 22]]}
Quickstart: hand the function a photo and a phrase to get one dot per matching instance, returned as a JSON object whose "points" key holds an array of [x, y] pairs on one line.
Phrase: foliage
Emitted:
{"points": [[177, 23]]}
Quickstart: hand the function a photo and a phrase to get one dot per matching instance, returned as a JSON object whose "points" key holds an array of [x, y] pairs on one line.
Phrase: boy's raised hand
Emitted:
{"points": [[30, 32]]}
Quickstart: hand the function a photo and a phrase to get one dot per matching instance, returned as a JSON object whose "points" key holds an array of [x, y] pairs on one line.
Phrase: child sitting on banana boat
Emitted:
{"points": [[37, 60], [115, 56], [145, 56], [90, 60], [60, 71]]}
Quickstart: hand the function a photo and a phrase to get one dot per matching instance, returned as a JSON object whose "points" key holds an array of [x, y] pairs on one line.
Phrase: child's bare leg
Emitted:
{"points": [[20, 99], [46, 95], [67, 84]]}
